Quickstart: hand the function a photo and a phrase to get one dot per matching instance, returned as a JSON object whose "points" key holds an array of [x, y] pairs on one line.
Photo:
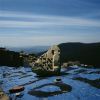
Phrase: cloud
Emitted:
{"points": [[45, 40], [30, 41], [20, 29], [38, 21]]}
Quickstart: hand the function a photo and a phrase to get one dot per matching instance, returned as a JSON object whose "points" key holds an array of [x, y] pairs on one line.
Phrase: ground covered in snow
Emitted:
{"points": [[77, 84]]}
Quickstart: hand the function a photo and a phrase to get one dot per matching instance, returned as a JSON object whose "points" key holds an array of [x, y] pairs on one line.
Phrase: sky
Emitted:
{"points": [[48, 22]]}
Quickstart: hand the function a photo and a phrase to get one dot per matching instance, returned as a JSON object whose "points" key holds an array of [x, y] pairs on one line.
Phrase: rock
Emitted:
{"points": [[57, 80], [16, 89], [3, 96], [19, 94], [49, 61]]}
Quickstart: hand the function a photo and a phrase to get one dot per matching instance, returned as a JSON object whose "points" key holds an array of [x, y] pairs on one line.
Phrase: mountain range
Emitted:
{"points": [[85, 53], [31, 49]]}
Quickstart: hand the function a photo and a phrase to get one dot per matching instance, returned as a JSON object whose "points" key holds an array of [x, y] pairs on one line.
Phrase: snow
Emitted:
{"points": [[80, 90]]}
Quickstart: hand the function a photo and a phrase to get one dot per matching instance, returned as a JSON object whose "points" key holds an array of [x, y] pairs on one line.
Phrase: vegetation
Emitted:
{"points": [[85, 53], [10, 58]]}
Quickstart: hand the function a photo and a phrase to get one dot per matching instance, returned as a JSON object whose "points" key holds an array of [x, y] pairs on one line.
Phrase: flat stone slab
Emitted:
{"points": [[16, 89]]}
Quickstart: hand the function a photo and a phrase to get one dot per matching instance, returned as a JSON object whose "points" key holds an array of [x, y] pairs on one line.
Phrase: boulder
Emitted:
{"points": [[3, 95], [49, 61], [16, 89]]}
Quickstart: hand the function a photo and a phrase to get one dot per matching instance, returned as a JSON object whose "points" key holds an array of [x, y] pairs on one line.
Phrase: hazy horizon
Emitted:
{"points": [[48, 22]]}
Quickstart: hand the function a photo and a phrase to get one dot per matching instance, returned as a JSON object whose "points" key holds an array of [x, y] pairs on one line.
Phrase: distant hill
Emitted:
{"points": [[34, 49], [10, 58], [87, 53]]}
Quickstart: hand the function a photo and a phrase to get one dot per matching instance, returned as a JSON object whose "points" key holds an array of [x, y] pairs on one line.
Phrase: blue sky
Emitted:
{"points": [[48, 22]]}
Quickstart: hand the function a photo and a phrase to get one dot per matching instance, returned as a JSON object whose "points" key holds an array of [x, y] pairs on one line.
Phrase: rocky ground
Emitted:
{"points": [[77, 84]]}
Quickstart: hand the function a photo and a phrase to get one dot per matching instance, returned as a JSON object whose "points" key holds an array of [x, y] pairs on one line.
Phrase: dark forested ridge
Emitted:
{"points": [[87, 53], [10, 58]]}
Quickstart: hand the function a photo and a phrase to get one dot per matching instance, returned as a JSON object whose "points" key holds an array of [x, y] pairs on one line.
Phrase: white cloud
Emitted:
{"points": [[44, 40], [30, 41], [43, 21]]}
